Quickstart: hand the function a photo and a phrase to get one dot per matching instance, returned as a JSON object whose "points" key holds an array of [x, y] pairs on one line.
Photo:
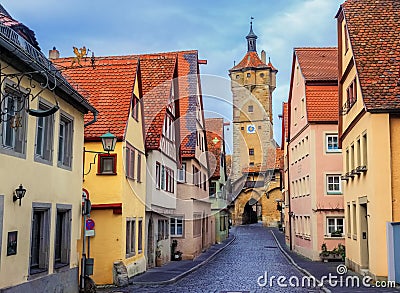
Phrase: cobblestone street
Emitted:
{"points": [[236, 268]]}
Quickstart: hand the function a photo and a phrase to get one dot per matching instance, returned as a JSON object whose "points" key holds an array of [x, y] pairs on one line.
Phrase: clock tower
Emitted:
{"points": [[252, 82]]}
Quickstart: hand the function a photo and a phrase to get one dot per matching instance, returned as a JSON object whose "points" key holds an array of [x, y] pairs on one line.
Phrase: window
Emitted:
{"points": [[176, 226], [358, 163], [13, 130], [44, 135], [251, 164], [139, 167], [63, 237], [107, 164], [196, 225], [158, 178], [248, 74], [242, 128], [348, 217], [364, 149], [130, 237], [332, 143], [352, 167], [135, 107], [130, 161], [347, 161], [346, 40], [303, 108], [354, 219], [195, 176], [223, 223], [40, 236], [351, 94], [250, 108], [335, 226], [251, 152], [162, 230], [182, 173], [333, 185], [140, 235], [65, 141], [162, 177], [213, 188]]}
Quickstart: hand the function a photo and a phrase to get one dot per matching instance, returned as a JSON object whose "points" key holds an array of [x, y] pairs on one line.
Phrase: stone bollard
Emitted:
{"points": [[120, 274]]}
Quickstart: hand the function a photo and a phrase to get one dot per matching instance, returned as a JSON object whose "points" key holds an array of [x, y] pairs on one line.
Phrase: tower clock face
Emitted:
{"points": [[251, 128]]}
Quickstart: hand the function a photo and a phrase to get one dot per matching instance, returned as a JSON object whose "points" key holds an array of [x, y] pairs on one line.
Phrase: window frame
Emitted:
{"points": [[329, 234], [135, 107], [251, 151], [100, 163], [140, 235], [21, 132], [333, 192], [46, 152], [327, 143], [158, 175], [130, 153], [130, 237], [65, 241], [43, 238], [174, 222], [67, 148], [139, 168], [250, 109]]}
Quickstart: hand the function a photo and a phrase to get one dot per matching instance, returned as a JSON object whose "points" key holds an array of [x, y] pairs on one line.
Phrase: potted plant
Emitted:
{"points": [[337, 253], [336, 233]]}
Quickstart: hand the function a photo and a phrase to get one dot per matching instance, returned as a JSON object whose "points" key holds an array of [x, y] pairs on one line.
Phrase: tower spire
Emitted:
{"points": [[251, 38]]}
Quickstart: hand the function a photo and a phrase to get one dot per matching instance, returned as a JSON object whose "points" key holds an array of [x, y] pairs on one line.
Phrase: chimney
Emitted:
{"points": [[263, 57], [54, 54]]}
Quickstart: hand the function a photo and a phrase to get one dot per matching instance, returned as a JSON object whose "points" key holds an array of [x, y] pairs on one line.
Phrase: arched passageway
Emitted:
{"points": [[251, 212]]}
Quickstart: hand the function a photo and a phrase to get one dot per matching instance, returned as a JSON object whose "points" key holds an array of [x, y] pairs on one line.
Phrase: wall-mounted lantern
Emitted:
{"points": [[19, 193]]}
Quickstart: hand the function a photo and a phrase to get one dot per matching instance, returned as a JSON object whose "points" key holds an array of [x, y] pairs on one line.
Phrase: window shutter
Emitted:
{"points": [[127, 161], [139, 168], [48, 141], [68, 144], [20, 135]]}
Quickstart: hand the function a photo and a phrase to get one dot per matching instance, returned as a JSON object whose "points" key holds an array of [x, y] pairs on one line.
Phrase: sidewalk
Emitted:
{"points": [[320, 269], [175, 270]]}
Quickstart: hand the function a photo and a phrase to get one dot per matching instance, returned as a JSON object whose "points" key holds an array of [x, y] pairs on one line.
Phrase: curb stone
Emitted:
{"points": [[178, 277], [304, 271]]}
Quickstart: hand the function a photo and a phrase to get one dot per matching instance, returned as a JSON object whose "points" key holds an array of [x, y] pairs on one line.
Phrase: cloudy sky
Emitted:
{"points": [[217, 29]]}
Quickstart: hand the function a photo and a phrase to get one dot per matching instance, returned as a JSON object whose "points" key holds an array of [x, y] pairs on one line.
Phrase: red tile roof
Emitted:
{"points": [[322, 103], [214, 133], [251, 60], [189, 82], [157, 73], [109, 88], [318, 63], [374, 34]]}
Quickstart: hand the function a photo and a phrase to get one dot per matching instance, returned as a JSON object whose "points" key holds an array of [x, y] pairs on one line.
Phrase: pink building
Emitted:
{"points": [[314, 157]]}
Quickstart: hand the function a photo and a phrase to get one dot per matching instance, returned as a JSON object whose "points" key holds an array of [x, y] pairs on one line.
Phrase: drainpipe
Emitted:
{"points": [[95, 113], [289, 197]]}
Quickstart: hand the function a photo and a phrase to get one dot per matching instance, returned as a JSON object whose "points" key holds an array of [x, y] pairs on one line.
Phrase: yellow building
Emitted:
{"points": [[369, 134], [116, 182], [41, 143], [253, 159]]}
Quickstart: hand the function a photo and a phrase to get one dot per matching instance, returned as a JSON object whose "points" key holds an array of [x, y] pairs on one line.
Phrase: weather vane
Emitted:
{"points": [[251, 19]]}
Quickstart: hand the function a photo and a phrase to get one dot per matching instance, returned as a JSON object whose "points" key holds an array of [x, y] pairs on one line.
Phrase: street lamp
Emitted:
{"points": [[108, 140], [19, 193]]}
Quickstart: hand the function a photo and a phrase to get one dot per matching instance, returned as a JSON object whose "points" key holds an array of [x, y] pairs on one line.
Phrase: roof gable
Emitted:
{"points": [[374, 32], [109, 87]]}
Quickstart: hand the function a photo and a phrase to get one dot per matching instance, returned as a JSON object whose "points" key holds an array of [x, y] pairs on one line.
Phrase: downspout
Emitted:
{"points": [[95, 113], [290, 204]]}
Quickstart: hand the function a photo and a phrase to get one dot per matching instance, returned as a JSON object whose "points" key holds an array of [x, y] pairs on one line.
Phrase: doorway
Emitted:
{"points": [[251, 212], [364, 236], [150, 244]]}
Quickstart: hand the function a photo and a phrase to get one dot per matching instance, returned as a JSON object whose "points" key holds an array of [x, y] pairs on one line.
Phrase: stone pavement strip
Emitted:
{"points": [[175, 270], [319, 269]]}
